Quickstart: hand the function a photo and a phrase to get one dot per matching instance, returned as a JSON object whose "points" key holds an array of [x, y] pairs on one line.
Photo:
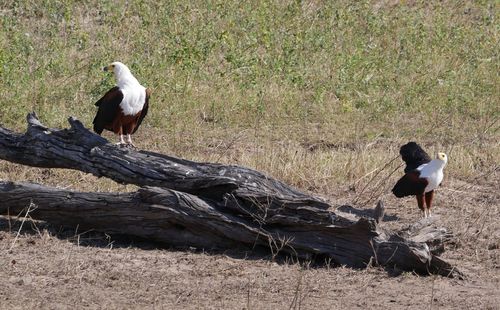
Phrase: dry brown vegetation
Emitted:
{"points": [[62, 268], [319, 95]]}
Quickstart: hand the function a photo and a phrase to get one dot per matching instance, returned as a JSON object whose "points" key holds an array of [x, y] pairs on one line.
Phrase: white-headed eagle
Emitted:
{"points": [[122, 109], [422, 175]]}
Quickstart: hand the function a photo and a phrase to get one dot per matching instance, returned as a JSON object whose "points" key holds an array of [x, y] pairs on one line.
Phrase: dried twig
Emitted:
{"points": [[31, 207]]}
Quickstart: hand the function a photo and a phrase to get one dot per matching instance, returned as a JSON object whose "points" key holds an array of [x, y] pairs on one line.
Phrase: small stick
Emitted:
{"points": [[22, 223]]}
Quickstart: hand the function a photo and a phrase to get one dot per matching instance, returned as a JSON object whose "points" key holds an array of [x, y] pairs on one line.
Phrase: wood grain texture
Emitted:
{"points": [[183, 203], [78, 148]]}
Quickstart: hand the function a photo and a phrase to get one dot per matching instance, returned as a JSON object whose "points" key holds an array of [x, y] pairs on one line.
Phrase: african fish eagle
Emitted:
{"points": [[422, 175], [122, 109]]}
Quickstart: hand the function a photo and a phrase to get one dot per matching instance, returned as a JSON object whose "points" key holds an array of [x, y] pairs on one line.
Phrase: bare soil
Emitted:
{"points": [[42, 266]]}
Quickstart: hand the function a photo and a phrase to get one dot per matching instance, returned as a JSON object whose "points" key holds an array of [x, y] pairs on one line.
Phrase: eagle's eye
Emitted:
{"points": [[112, 66]]}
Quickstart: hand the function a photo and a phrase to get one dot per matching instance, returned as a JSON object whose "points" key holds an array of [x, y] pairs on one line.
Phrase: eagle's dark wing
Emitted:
{"points": [[108, 107], [144, 111], [410, 184], [413, 155]]}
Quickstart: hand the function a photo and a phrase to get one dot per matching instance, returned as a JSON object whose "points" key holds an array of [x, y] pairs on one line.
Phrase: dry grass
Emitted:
{"points": [[67, 267], [317, 94]]}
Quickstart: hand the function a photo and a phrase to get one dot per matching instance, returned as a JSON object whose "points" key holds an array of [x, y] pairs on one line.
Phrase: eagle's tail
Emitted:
{"points": [[98, 125]]}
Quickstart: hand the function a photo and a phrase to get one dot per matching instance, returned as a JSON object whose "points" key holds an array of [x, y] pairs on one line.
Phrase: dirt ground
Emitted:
{"points": [[47, 267]]}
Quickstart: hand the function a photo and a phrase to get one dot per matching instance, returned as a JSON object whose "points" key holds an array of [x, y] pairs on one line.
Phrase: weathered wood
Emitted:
{"points": [[185, 203], [78, 148], [426, 231], [182, 219]]}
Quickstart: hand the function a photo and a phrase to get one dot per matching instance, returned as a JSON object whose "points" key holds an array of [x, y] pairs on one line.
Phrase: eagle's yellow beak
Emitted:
{"points": [[107, 68]]}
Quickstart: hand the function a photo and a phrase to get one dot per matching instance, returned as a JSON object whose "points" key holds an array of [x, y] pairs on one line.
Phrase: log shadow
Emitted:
{"points": [[96, 239], [89, 238], [366, 213]]}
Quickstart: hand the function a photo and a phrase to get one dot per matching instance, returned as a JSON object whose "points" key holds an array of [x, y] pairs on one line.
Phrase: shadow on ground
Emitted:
{"points": [[34, 228]]}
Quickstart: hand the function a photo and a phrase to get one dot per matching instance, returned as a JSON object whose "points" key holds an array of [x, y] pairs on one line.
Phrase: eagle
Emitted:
{"points": [[422, 176], [122, 109]]}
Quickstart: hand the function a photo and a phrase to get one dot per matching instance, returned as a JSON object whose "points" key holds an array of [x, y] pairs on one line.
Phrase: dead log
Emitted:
{"points": [[212, 206], [79, 149], [181, 219]]}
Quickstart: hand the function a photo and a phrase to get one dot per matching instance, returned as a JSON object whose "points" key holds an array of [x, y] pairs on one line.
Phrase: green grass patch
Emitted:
{"points": [[356, 70]]}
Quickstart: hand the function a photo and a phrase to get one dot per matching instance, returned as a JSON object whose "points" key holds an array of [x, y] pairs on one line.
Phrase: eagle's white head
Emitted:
{"points": [[442, 157], [122, 73]]}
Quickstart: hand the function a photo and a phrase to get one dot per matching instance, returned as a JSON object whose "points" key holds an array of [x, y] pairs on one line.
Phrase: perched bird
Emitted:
{"points": [[122, 109], [378, 213], [422, 175]]}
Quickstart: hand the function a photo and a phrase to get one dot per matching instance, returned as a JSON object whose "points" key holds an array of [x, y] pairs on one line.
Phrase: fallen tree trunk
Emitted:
{"points": [[181, 219], [79, 149], [212, 206]]}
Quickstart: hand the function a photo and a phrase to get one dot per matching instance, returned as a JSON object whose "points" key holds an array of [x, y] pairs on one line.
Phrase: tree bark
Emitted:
{"points": [[183, 203]]}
